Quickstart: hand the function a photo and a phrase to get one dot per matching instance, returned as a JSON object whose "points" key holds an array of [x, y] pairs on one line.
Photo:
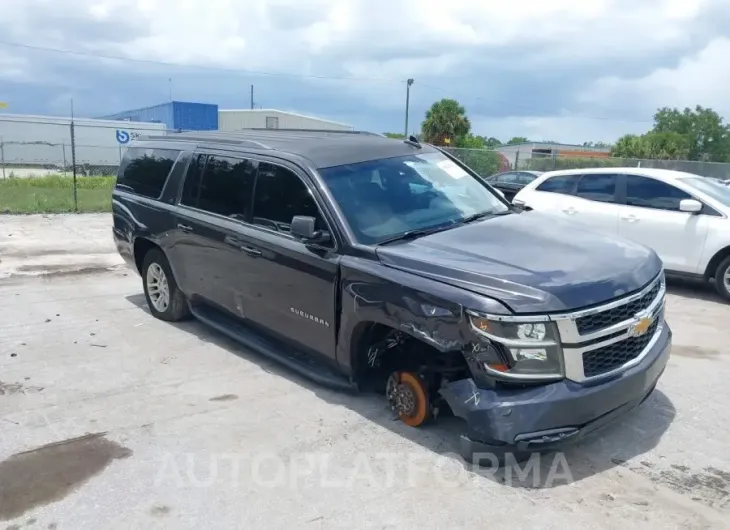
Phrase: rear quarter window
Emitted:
{"points": [[559, 184], [144, 171]]}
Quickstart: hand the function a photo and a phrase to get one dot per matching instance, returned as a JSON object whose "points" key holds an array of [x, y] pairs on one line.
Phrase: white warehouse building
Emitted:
{"points": [[235, 120], [27, 140]]}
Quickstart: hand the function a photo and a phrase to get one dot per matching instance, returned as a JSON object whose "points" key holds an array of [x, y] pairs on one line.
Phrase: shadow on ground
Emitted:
{"points": [[697, 289], [633, 435]]}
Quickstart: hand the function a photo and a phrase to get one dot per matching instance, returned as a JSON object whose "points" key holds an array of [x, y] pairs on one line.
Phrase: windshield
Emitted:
{"points": [[717, 190], [382, 199]]}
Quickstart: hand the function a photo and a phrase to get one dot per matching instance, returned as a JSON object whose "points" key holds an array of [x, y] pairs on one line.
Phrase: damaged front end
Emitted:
{"points": [[539, 382]]}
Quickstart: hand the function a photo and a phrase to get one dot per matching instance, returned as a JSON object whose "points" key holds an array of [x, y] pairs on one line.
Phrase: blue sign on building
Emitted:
{"points": [[122, 136]]}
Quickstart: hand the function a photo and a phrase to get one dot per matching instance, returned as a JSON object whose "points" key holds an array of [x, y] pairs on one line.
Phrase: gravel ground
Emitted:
{"points": [[110, 418]]}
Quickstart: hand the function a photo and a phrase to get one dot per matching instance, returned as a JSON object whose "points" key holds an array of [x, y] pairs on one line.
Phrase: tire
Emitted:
{"points": [[164, 298], [722, 279]]}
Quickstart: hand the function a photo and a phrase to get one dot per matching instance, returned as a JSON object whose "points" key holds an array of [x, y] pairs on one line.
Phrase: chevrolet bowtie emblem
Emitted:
{"points": [[641, 326]]}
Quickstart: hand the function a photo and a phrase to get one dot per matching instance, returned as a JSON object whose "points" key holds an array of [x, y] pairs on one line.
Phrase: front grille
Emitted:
{"points": [[602, 360], [604, 319]]}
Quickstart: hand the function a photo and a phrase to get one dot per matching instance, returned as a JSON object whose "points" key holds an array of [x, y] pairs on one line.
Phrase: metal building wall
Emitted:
{"points": [[156, 114], [194, 116], [234, 120], [182, 115], [46, 140]]}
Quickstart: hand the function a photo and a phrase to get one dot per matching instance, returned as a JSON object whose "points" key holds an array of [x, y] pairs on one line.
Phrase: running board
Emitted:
{"points": [[301, 363]]}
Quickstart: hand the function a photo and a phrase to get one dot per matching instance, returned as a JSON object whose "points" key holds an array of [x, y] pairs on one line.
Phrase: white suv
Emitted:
{"points": [[682, 216]]}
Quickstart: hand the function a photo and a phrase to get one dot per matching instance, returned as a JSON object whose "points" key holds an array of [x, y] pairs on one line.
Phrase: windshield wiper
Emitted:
{"points": [[482, 215], [413, 234]]}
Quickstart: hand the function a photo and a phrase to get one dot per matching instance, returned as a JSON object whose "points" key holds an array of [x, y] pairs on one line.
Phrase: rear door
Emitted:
{"points": [[594, 203], [651, 217], [213, 205]]}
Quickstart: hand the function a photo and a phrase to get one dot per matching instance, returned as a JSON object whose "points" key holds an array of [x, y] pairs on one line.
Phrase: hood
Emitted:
{"points": [[532, 262]]}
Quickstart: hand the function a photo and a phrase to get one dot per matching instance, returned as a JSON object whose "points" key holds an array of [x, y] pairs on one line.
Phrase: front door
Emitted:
{"points": [[651, 217], [291, 288]]}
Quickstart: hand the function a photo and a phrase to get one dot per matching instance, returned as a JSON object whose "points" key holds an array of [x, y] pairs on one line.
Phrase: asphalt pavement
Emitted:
{"points": [[111, 419]]}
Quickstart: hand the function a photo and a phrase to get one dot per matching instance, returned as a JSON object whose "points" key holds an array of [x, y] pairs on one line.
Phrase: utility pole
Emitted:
{"points": [[251, 97], [408, 102], [73, 156], [169, 86]]}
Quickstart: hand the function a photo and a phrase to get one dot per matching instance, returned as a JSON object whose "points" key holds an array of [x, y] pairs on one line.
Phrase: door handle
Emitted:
{"points": [[185, 228], [630, 218], [570, 211], [250, 250], [235, 242]]}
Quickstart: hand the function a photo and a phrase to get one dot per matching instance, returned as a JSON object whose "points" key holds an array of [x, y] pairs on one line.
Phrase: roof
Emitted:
{"points": [[298, 115], [661, 174], [322, 148], [66, 120]]}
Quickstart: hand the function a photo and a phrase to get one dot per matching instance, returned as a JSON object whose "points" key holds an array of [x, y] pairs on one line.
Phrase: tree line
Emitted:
{"points": [[690, 134]]}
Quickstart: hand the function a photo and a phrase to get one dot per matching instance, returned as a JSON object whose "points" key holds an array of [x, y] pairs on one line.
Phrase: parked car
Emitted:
{"points": [[367, 263], [682, 216], [510, 182]]}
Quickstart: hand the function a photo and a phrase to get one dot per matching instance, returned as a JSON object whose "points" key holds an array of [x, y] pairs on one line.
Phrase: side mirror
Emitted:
{"points": [[303, 227], [690, 206]]}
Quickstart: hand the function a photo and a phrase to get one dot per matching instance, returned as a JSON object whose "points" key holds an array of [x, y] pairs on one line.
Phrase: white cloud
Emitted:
{"points": [[702, 79], [618, 59]]}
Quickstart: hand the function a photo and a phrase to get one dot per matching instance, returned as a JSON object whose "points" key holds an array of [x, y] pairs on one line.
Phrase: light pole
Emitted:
{"points": [[408, 101]]}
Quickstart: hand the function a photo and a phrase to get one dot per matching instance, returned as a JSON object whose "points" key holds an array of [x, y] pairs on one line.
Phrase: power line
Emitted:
{"points": [[197, 67], [305, 76]]}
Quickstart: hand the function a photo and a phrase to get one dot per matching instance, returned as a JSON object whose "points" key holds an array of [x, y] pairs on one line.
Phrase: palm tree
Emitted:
{"points": [[445, 122]]}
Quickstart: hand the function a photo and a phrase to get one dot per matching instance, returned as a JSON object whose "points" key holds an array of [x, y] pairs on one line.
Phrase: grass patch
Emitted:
{"points": [[55, 194]]}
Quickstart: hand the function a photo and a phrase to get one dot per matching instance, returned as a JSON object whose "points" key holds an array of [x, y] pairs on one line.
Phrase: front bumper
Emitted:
{"points": [[533, 419]]}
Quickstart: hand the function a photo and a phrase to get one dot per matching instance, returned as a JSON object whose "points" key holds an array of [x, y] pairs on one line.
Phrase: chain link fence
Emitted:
{"points": [[487, 162], [41, 177]]}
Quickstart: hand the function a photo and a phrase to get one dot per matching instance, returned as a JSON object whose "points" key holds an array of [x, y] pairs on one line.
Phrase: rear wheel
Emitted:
{"points": [[164, 298], [722, 279]]}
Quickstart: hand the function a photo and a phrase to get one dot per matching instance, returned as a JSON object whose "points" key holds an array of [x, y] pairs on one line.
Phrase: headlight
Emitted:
{"points": [[532, 349]]}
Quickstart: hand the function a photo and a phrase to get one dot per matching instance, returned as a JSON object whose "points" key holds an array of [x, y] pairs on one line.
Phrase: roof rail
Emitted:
{"points": [[206, 136], [348, 131]]}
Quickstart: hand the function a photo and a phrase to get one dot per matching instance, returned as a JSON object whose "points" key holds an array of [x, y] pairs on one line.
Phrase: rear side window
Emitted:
{"points": [[280, 195], [559, 184], [219, 185], [598, 187], [525, 178], [508, 178], [144, 171]]}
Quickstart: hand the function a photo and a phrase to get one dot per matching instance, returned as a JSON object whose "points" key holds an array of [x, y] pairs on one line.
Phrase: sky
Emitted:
{"points": [[562, 70]]}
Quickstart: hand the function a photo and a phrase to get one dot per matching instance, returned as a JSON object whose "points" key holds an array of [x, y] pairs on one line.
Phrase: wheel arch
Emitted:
{"points": [[142, 246], [715, 261], [367, 333]]}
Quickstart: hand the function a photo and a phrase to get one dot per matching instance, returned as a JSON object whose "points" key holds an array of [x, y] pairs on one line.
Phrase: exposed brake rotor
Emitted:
{"points": [[408, 397]]}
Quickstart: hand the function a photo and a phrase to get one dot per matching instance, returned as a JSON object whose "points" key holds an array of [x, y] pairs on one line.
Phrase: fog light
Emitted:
{"points": [[523, 354]]}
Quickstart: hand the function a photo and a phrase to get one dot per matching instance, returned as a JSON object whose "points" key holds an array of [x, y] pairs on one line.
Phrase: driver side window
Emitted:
{"points": [[279, 195]]}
